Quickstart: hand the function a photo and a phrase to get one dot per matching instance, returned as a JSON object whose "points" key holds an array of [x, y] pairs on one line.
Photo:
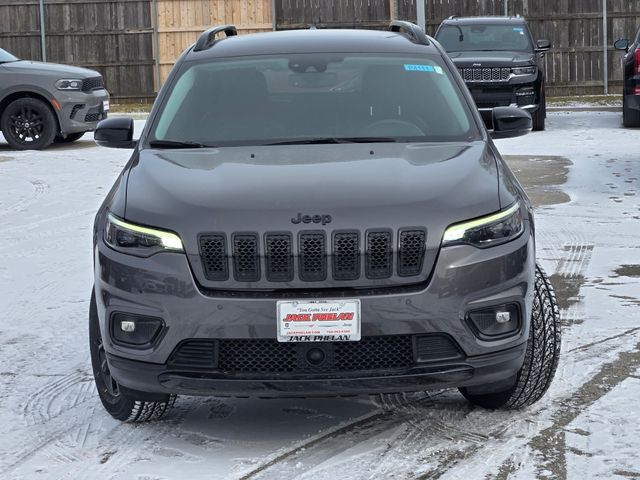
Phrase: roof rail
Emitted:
{"points": [[208, 37], [413, 31]]}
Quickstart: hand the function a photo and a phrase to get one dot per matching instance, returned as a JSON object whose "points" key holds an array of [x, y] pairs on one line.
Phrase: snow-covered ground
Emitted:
{"points": [[53, 425]]}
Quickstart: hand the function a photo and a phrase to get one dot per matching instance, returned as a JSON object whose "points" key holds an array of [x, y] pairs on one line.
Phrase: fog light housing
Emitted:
{"points": [[135, 330], [497, 321]]}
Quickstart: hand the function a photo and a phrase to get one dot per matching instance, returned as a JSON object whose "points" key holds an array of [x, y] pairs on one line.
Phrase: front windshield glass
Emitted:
{"points": [[313, 97], [470, 38], [6, 56]]}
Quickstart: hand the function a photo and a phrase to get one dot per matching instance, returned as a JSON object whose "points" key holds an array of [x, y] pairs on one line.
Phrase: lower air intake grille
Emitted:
{"points": [[257, 356], [374, 353], [436, 347], [195, 354], [268, 356], [75, 110]]}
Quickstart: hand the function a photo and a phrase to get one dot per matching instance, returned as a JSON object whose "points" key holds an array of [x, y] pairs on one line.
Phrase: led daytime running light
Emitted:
{"points": [[456, 232]]}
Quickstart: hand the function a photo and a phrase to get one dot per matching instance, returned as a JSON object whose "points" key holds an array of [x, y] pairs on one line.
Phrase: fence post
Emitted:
{"points": [[43, 41], [605, 51], [506, 8], [274, 20], [420, 14], [156, 45]]}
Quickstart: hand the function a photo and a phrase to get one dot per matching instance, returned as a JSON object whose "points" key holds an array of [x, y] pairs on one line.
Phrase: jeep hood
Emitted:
{"points": [[492, 59], [360, 185]]}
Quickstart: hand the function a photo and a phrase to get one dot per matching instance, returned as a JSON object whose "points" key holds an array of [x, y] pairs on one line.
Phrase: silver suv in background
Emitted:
{"points": [[41, 103]]}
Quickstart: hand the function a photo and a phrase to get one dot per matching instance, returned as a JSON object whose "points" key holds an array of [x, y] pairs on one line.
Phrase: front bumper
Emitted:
{"points": [[487, 96], [81, 111], [489, 369], [632, 101], [464, 278]]}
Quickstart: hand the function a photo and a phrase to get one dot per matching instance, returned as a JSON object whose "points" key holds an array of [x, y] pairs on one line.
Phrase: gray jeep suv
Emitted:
{"points": [[41, 103], [317, 213]]}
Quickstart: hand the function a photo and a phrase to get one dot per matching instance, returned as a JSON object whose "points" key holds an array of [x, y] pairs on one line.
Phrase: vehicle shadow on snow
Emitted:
{"points": [[294, 436], [54, 147]]}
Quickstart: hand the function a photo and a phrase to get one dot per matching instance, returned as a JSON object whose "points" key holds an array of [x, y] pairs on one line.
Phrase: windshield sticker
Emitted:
{"points": [[423, 68], [520, 30]]}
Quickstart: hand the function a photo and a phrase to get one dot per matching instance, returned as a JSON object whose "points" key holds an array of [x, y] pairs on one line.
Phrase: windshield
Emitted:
{"points": [[6, 56], [469, 38], [312, 98]]}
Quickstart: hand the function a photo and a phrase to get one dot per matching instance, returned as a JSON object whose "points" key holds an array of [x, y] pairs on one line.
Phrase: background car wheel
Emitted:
{"points": [[541, 359], [120, 406], [540, 114], [72, 137], [28, 124], [630, 118]]}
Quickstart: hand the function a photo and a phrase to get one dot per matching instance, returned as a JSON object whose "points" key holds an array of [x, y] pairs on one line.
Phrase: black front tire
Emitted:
{"points": [[28, 124], [72, 137], [630, 117], [120, 406], [541, 359], [540, 114]]}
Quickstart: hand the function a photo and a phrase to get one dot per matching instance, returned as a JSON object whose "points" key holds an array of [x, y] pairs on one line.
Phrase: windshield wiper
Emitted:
{"points": [[176, 144], [321, 140]]}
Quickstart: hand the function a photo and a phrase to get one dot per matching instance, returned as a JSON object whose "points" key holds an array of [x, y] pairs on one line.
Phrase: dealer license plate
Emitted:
{"points": [[105, 105], [319, 321]]}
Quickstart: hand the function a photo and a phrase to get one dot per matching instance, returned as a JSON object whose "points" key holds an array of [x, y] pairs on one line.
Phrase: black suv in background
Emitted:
{"points": [[499, 61], [631, 80]]}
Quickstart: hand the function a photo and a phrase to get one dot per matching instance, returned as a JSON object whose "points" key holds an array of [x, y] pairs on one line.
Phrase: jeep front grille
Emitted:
{"points": [[313, 256], [477, 74]]}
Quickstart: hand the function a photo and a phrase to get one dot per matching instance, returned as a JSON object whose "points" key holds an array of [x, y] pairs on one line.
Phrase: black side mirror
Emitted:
{"points": [[509, 122], [543, 45], [115, 133], [622, 44]]}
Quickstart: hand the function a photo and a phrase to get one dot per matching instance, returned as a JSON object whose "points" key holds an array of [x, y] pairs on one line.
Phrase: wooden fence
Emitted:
{"points": [[134, 43], [575, 65], [111, 36], [293, 14], [181, 21]]}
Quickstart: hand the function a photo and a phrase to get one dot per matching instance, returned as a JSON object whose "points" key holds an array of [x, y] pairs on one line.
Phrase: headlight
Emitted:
{"points": [[137, 240], [524, 70], [487, 231], [69, 84]]}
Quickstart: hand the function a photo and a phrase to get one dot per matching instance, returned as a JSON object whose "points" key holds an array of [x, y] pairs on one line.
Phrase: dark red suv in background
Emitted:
{"points": [[631, 79]]}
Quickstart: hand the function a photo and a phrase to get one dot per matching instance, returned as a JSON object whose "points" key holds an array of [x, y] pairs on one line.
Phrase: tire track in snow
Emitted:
{"points": [[39, 187], [418, 419], [51, 417]]}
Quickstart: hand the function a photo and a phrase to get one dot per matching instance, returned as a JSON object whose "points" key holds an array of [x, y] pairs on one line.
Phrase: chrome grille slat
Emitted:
{"points": [[485, 74]]}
